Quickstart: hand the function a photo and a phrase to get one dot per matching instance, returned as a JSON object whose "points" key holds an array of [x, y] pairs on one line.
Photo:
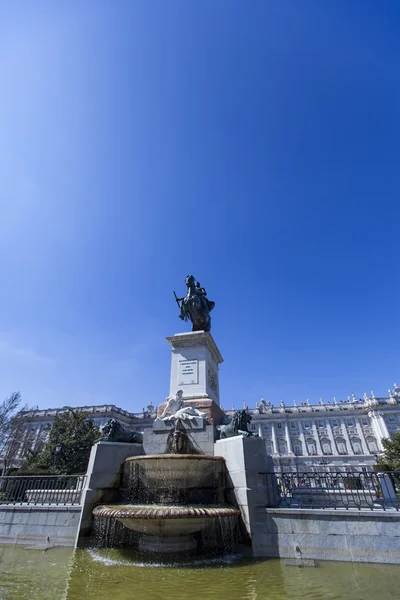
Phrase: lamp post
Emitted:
{"points": [[57, 452]]}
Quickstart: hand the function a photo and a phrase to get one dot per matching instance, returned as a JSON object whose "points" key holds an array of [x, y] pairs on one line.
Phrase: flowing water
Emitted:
{"points": [[66, 574]]}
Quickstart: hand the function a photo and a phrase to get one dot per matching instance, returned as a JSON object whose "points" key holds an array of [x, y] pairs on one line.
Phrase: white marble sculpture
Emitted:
{"points": [[177, 409]]}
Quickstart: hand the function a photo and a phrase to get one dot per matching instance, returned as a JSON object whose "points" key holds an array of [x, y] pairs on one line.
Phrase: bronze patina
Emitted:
{"points": [[195, 306]]}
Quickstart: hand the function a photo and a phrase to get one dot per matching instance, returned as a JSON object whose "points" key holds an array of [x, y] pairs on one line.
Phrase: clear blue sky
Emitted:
{"points": [[253, 144]]}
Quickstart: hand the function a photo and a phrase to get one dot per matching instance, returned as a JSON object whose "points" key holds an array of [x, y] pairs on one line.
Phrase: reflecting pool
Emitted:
{"points": [[62, 573]]}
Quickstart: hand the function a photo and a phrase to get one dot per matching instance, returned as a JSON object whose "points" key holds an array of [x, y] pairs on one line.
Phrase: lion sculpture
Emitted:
{"points": [[238, 426], [113, 431]]}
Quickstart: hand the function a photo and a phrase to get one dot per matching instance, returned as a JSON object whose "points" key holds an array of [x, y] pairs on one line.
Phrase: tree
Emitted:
{"points": [[8, 409], [68, 447], [11, 430], [390, 461]]}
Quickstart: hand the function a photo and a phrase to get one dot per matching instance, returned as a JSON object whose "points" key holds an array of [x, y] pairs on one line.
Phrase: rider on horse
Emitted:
{"points": [[195, 300]]}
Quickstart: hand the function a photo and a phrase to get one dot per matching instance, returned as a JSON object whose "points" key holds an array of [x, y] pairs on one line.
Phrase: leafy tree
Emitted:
{"points": [[8, 409], [11, 431], [68, 447], [390, 461]]}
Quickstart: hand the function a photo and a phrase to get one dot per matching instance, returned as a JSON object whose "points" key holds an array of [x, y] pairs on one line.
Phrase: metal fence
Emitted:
{"points": [[350, 490], [42, 490]]}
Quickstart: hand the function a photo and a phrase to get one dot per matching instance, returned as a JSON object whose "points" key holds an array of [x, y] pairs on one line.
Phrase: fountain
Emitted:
{"points": [[174, 495], [169, 497]]}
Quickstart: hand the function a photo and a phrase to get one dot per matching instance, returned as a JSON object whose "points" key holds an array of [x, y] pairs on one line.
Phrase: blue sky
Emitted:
{"points": [[253, 144]]}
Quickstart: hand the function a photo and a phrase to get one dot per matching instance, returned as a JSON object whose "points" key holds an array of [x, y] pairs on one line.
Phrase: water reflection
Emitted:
{"points": [[64, 574]]}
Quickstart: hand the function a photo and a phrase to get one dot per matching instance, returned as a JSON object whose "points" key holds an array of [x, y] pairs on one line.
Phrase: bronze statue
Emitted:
{"points": [[114, 432], [238, 426], [195, 306]]}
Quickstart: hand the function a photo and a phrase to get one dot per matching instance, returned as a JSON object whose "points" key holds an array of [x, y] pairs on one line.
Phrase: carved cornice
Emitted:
{"points": [[195, 339]]}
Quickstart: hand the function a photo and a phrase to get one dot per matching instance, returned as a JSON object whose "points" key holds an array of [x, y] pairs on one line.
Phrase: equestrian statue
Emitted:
{"points": [[195, 306]]}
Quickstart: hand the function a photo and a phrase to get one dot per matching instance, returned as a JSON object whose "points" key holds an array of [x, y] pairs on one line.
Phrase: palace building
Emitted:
{"points": [[335, 436]]}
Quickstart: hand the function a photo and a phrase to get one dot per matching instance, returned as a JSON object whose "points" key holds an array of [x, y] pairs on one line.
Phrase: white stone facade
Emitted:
{"points": [[32, 431], [331, 436], [328, 436]]}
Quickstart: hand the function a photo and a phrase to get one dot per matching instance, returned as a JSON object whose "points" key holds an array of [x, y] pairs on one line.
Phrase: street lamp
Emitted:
{"points": [[57, 451]]}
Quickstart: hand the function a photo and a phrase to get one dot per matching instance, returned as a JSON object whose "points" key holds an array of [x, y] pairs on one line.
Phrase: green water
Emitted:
{"points": [[62, 573]]}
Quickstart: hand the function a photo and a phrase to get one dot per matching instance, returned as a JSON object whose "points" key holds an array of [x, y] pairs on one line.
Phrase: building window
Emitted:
{"points": [[282, 447], [270, 448], [391, 418], [372, 445], [266, 427], [326, 446], [350, 423], [356, 445], [365, 421], [341, 446], [335, 423], [321, 424], [307, 424], [311, 447], [297, 447], [279, 425], [293, 425]]}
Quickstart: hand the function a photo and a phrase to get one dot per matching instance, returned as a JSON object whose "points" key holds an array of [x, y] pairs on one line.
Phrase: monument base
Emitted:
{"points": [[195, 361], [201, 434]]}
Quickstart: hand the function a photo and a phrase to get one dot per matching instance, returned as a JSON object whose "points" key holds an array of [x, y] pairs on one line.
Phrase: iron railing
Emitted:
{"points": [[348, 490], [42, 490]]}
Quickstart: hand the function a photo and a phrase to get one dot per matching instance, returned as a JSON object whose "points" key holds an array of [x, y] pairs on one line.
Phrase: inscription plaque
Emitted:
{"points": [[188, 372]]}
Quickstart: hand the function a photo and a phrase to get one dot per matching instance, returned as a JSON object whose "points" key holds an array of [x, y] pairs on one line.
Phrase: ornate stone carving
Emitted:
{"points": [[177, 409]]}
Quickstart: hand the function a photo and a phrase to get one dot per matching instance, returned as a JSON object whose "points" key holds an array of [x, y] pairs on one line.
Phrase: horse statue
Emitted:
{"points": [[114, 432], [238, 426], [195, 306]]}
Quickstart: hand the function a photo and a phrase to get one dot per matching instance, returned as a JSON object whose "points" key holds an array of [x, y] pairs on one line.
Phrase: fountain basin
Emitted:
{"points": [[165, 521], [166, 528]]}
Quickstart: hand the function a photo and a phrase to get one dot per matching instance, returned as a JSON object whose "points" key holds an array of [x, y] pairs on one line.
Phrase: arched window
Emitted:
{"points": [[372, 445], [282, 447], [356, 445], [297, 447], [326, 446], [341, 445], [311, 447]]}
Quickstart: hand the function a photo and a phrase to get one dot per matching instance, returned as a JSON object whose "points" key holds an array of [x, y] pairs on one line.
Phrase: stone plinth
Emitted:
{"points": [[195, 365], [246, 461]]}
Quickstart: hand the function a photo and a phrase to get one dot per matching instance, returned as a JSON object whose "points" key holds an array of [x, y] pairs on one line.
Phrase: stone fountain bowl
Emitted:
{"points": [[182, 470], [165, 521]]}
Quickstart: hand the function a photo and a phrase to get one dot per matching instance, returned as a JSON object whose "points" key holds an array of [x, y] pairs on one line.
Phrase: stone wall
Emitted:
{"points": [[103, 481], [343, 535], [41, 526]]}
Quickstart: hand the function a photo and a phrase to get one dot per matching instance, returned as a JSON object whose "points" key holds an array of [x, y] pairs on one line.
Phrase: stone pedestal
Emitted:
{"points": [[247, 462], [194, 366], [195, 362]]}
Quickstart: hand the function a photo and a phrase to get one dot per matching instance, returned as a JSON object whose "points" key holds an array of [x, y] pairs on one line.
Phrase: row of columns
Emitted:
{"points": [[378, 425]]}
